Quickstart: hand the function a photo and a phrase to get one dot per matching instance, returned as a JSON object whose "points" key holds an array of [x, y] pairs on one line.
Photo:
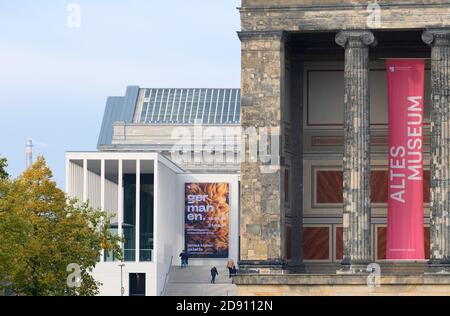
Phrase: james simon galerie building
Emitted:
{"points": [[334, 168]]}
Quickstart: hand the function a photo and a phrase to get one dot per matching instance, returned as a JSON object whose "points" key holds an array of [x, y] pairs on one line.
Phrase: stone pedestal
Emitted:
{"points": [[342, 285], [438, 268], [356, 214]]}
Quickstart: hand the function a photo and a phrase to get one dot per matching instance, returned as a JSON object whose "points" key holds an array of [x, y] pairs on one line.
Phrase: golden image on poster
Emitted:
{"points": [[207, 211]]}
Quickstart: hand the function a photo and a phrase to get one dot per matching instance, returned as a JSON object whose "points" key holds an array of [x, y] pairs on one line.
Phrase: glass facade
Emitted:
{"points": [[129, 217], [146, 213], [112, 184], [184, 106], [146, 218]]}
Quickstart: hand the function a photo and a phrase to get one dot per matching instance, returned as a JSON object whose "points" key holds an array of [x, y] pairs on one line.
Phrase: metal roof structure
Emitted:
{"points": [[170, 107], [118, 109], [186, 106]]}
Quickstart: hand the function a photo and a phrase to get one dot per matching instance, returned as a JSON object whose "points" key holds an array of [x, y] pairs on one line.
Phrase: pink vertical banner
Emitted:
{"points": [[405, 236]]}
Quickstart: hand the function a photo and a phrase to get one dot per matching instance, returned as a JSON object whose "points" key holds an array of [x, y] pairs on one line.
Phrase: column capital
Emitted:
{"points": [[437, 37], [356, 38]]}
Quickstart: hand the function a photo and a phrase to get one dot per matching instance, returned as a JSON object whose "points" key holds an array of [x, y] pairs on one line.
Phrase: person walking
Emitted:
{"points": [[230, 266], [233, 271], [183, 259], [214, 273]]}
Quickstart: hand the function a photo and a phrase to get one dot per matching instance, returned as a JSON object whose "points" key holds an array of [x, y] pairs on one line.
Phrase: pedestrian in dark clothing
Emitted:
{"points": [[230, 265], [233, 271], [214, 273], [183, 256], [230, 273]]}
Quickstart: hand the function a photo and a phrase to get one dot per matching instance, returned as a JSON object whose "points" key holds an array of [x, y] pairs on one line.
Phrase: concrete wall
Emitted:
{"points": [[169, 220], [108, 273], [74, 186], [75, 189], [188, 146], [166, 232]]}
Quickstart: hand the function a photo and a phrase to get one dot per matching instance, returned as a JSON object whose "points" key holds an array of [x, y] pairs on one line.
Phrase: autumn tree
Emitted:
{"points": [[3, 165], [49, 244]]}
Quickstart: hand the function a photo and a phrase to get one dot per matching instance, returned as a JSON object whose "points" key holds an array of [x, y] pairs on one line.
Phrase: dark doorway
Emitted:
{"points": [[137, 284]]}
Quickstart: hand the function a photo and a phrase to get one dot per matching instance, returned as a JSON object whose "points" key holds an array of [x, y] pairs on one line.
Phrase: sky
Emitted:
{"points": [[57, 67]]}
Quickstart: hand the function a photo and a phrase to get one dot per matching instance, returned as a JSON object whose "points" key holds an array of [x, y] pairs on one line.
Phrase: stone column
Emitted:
{"points": [[262, 94], [356, 213], [439, 40]]}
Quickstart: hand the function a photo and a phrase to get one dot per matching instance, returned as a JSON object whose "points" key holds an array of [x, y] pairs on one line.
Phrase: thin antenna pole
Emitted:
{"points": [[29, 153]]}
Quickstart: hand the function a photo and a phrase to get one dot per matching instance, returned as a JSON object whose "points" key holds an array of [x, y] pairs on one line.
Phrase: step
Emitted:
{"points": [[197, 274], [387, 267], [180, 289], [196, 281]]}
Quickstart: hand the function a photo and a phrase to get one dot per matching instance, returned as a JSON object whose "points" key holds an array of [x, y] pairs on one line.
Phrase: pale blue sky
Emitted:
{"points": [[54, 80]]}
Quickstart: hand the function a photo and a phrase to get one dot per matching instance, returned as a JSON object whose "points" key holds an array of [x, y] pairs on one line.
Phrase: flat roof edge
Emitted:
{"points": [[124, 155]]}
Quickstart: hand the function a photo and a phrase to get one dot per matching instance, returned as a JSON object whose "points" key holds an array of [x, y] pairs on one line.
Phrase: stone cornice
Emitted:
{"points": [[437, 37], [328, 7], [355, 38], [262, 35]]}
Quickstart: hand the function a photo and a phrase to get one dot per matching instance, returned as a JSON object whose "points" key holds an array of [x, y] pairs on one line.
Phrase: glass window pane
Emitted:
{"points": [[129, 210], [144, 112], [146, 217]]}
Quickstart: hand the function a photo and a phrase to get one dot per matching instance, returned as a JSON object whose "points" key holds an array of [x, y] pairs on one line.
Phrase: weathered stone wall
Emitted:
{"points": [[294, 3], [272, 99], [291, 15], [262, 80]]}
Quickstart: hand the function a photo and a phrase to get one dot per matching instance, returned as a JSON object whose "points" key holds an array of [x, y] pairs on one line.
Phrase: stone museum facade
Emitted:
{"points": [[314, 70]]}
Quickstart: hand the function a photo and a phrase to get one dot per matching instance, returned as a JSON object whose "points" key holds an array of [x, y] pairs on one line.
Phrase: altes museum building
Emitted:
{"points": [[317, 71]]}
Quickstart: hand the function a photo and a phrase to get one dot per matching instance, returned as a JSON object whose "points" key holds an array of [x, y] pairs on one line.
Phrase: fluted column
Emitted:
{"points": [[439, 40], [356, 213]]}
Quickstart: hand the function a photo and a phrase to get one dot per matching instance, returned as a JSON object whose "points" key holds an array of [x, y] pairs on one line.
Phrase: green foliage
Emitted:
{"points": [[41, 233], [3, 165]]}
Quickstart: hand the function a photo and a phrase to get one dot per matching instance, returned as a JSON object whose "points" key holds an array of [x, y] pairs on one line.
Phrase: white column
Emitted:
{"points": [[85, 181], [102, 185], [67, 176], [156, 210], [120, 200], [102, 197], [138, 203]]}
